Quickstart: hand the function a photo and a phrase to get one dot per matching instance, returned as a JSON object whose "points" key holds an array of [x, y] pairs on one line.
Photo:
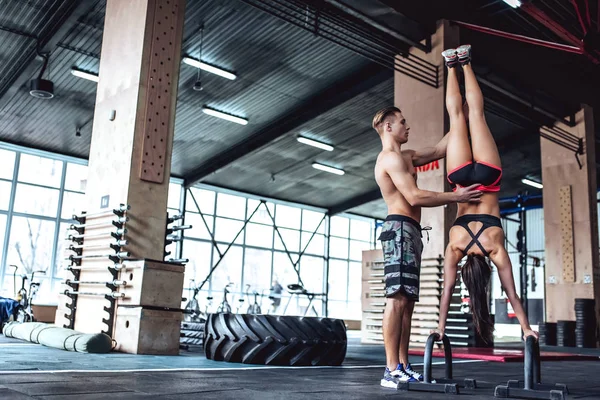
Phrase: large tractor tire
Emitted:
{"points": [[275, 340]]}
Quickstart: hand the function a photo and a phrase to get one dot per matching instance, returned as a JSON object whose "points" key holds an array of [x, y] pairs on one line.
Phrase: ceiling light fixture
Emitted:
{"points": [[209, 68], [85, 75], [315, 143], [513, 3], [329, 169], [222, 115], [529, 182]]}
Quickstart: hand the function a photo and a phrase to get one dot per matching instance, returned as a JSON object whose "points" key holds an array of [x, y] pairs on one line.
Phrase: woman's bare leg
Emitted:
{"points": [[459, 150], [482, 142]]}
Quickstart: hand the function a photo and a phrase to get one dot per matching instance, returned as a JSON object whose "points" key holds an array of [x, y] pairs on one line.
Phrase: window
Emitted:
{"points": [[204, 198], [311, 220], [338, 248], [7, 164], [198, 268], [76, 178], [198, 229], [355, 282], [311, 270], [259, 235], [291, 239], [338, 279], [288, 217], [227, 229], [229, 270], [356, 249], [361, 230], [174, 196], [257, 265], [259, 252], [45, 293], [283, 270], [31, 243], [73, 204], [316, 245], [40, 170], [5, 188], [2, 231], [231, 206], [337, 309], [36, 200], [261, 215], [339, 226], [62, 253]]}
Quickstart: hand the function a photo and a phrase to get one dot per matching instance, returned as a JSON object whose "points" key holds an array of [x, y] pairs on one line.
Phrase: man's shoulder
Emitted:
{"points": [[392, 158], [408, 153]]}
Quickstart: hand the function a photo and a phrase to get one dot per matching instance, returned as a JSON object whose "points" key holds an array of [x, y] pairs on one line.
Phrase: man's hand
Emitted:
{"points": [[469, 194]]}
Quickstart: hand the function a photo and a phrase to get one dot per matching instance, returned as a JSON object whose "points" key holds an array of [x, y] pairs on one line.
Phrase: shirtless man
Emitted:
{"points": [[401, 234]]}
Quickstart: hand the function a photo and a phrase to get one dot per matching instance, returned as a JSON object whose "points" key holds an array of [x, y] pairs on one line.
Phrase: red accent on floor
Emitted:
{"points": [[501, 355]]}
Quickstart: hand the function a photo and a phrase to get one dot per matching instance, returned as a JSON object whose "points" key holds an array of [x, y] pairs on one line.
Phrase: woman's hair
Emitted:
{"points": [[476, 274]]}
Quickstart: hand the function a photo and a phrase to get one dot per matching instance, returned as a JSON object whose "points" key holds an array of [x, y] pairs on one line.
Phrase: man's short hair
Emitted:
{"points": [[382, 114]]}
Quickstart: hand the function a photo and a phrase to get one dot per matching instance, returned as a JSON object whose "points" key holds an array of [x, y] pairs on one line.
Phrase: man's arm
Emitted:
{"points": [[397, 170], [429, 154]]}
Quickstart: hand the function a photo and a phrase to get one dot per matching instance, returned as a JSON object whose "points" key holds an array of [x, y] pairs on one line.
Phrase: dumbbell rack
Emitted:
{"points": [[459, 325], [174, 233], [79, 250], [426, 311]]}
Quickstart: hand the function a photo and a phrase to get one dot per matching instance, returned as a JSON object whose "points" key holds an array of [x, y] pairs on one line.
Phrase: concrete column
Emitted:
{"points": [[571, 220], [130, 154], [132, 138], [424, 107]]}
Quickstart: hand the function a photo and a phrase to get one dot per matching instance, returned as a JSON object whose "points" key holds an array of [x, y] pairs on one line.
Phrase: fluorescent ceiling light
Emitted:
{"points": [[513, 3], [315, 143], [529, 182], [222, 115], [209, 68], [85, 75], [326, 168]]}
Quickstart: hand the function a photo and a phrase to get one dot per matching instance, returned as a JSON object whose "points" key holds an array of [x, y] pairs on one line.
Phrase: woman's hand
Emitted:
{"points": [[529, 332], [439, 332]]}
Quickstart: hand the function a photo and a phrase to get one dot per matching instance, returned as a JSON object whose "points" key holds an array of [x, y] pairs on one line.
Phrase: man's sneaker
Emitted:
{"points": [[464, 54], [408, 369], [450, 57], [402, 375], [389, 380]]}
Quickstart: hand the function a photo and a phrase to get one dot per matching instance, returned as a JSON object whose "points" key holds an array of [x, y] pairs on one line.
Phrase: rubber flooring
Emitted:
{"points": [[30, 371]]}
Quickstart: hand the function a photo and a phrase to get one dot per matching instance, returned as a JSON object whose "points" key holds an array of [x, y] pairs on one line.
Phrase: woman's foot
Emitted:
{"points": [[450, 58], [464, 54]]}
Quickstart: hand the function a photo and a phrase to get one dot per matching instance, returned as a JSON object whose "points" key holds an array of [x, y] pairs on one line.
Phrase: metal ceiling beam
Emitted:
{"points": [[426, 48], [316, 105], [46, 44], [359, 200]]}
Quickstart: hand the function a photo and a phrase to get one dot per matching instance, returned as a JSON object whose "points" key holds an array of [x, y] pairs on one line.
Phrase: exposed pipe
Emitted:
{"points": [[547, 113], [356, 14], [587, 13], [579, 16], [332, 33], [555, 27], [549, 23], [521, 38]]}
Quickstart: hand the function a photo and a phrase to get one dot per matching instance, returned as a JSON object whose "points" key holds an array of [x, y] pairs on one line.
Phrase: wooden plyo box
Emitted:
{"points": [[144, 331], [152, 284]]}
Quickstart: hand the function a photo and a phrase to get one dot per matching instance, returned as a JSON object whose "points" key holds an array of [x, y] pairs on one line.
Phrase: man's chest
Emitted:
{"points": [[411, 168]]}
